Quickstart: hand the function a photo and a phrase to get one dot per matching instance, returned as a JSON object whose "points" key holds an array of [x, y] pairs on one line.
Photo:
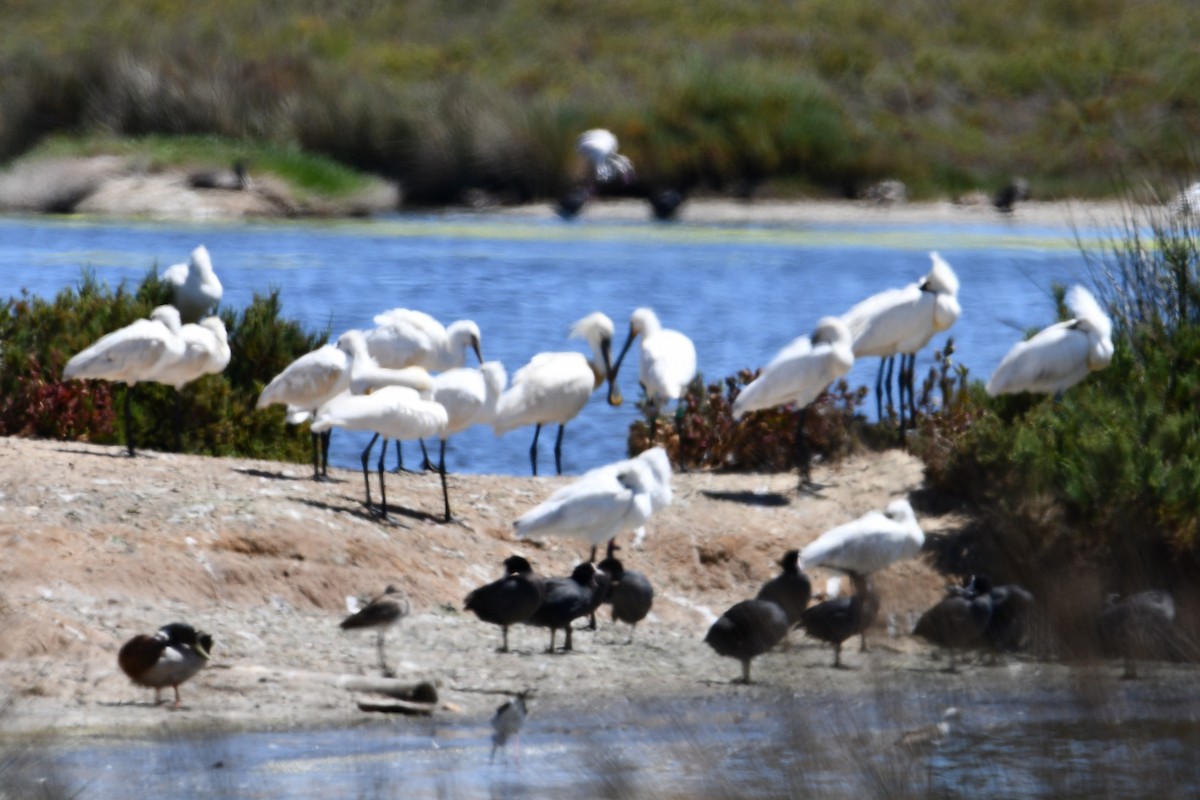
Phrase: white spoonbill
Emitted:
{"points": [[667, 363], [194, 285], [599, 147], [308, 383], [798, 375], [660, 470], [206, 352], [393, 412], [599, 505], [1059, 356], [130, 355], [470, 397], [554, 387], [901, 322], [869, 543]]}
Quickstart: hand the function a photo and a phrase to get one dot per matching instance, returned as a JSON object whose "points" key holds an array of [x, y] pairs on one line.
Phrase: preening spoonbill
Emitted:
{"points": [[138, 352], [507, 723], [308, 383], [470, 397], [381, 613], [509, 600], [667, 363], [1060, 356], [393, 412], [554, 387], [630, 593], [599, 147], [747, 630], [206, 352], [1139, 626], [836, 620], [596, 507], [565, 600], [659, 470], [195, 287], [869, 543], [790, 589], [798, 375], [168, 658], [901, 322]]}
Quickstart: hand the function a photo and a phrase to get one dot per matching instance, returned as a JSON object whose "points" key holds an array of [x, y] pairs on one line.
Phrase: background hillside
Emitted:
{"points": [[821, 98]]}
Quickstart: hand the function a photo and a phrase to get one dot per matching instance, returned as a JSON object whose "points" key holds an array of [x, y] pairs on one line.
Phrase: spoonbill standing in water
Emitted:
{"points": [[554, 387], [667, 364], [798, 375], [901, 322], [195, 288], [1059, 356], [136, 353]]}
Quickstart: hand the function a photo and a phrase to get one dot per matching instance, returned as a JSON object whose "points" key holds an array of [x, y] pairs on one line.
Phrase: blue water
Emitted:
{"points": [[740, 292]]}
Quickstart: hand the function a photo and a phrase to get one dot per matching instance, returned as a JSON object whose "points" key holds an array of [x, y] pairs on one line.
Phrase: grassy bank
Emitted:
{"points": [[822, 97]]}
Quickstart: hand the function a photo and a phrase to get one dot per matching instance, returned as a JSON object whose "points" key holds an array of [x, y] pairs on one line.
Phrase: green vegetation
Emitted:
{"points": [[218, 410], [823, 96]]}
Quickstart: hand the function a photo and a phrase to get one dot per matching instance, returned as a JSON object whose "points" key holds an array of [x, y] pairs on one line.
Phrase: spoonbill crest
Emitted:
{"points": [[554, 387], [869, 543], [1060, 356], [194, 285], [667, 363]]}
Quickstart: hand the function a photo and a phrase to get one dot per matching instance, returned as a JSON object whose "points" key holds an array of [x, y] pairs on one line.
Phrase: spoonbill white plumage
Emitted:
{"points": [[393, 412], [596, 507], [869, 543], [194, 285], [554, 387], [1060, 356], [136, 353], [659, 471], [206, 352], [599, 147], [308, 383], [470, 397], [901, 322], [798, 374], [667, 363]]}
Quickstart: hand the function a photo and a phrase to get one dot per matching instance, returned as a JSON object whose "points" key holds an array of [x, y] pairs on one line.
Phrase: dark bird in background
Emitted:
{"points": [[1141, 625], [170, 657], [600, 595], [509, 600], [507, 723], [1008, 630], [565, 600], [1011, 193], [630, 594], [380, 614], [958, 621], [665, 203], [834, 621], [790, 589], [746, 631]]}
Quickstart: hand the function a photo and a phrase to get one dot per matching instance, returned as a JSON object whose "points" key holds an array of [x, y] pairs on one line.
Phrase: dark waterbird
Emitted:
{"points": [[565, 600], [509, 600], [746, 631], [959, 621], [834, 621], [1141, 625], [1008, 629], [170, 657], [790, 589], [630, 595]]}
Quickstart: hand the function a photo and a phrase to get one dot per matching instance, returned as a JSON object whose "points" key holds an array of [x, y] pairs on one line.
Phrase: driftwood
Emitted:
{"points": [[419, 699]]}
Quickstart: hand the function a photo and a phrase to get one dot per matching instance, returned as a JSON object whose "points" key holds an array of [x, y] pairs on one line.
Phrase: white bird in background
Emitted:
{"points": [[308, 383], [470, 397], [901, 322], [659, 469], [1059, 356], [196, 289], [869, 543], [599, 505], [554, 387], [130, 355], [599, 147], [206, 352], [798, 375], [393, 412], [667, 363], [407, 338]]}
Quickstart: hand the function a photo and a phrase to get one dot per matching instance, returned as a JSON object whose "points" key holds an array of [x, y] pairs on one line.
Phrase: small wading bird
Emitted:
{"points": [[901, 322], [510, 600], [747, 630], [798, 375], [195, 288], [507, 723], [837, 619], [554, 387], [170, 657], [379, 615], [1060, 356], [667, 362], [134, 354], [393, 412]]}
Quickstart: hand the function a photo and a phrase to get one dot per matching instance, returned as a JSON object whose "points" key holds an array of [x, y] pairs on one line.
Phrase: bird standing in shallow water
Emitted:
{"points": [[168, 658], [380, 614], [507, 723]]}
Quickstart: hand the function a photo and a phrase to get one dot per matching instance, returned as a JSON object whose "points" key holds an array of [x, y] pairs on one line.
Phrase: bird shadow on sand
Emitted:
{"points": [[354, 507], [122, 453], [749, 498], [282, 476]]}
